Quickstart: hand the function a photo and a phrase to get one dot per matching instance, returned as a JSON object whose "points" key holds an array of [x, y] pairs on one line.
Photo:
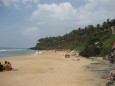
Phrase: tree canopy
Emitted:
{"points": [[79, 38]]}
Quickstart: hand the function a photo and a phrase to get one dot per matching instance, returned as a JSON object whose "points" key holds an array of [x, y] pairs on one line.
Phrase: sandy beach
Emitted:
{"points": [[50, 69]]}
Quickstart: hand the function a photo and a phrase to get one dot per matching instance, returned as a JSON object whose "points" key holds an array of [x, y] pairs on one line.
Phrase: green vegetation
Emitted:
{"points": [[82, 37]]}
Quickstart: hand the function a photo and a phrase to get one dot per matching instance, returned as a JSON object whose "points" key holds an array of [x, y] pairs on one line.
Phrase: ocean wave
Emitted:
{"points": [[15, 52], [2, 50], [6, 50], [38, 52]]}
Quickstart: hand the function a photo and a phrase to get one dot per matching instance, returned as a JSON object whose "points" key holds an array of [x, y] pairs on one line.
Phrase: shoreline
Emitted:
{"points": [[50, 68], [7, 53], [37, 52]]}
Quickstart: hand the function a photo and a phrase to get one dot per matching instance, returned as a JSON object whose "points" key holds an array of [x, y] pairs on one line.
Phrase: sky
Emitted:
{"points": [[24, 22]]}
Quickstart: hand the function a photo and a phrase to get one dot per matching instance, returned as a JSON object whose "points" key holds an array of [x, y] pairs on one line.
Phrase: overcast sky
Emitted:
{"points": [[23, 22]]}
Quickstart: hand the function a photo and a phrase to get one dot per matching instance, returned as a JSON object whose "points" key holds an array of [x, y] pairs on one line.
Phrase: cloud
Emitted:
{"points": [[96, 11], [56, 19], [55, 16], [7, 2], [30, 32], [63, 11], [29, 1], [64, 14], [18, 2]]}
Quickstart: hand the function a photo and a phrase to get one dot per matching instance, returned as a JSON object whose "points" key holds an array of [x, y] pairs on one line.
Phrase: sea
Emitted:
{"points": [[12, 52]]}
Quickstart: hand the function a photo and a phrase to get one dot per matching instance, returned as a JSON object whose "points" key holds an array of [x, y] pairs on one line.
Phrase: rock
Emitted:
{"points": [[110, 84], [90, 51], [111, 56]]}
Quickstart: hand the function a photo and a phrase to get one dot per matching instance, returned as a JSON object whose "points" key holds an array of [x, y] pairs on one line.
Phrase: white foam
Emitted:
{"points": [[2, 50], [38, 52]]}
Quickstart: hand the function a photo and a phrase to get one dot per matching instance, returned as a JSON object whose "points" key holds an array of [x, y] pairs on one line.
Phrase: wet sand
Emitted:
{"points": [[50, 69]]}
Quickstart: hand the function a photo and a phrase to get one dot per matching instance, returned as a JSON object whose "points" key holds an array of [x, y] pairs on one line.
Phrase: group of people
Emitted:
{"points": [[6, 66]]}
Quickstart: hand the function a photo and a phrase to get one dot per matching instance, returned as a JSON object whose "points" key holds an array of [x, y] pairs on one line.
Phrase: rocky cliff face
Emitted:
{"points": [[90, 51], [111, 56], [113, 45]]}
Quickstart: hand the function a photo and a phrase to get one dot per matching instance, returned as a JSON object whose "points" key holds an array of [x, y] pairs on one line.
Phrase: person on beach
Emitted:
{"points": [[1, 67], [10, 66], [112, 75], [7, 66]]}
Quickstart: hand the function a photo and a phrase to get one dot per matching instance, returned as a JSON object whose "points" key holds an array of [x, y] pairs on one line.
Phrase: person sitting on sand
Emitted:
{"points": [[112, 75], [1, 67], [10, 66], [6, 66]]}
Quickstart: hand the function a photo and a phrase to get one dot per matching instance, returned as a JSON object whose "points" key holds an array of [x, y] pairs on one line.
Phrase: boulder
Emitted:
{"points": [[90, 51], [111, 56]]}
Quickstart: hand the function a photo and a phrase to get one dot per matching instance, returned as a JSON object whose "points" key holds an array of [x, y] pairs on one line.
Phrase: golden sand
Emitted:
{"points": [[48, 69]]}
